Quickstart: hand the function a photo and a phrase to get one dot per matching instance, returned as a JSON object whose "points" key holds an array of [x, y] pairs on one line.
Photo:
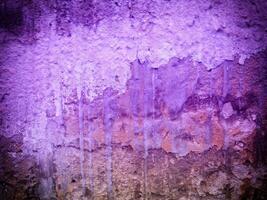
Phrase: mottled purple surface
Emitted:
{"points": [[133, 99]]}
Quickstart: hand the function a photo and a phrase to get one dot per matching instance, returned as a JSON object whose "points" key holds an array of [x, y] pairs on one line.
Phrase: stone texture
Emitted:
{"points": [[132, 100], [198, 147], [227, 110]]}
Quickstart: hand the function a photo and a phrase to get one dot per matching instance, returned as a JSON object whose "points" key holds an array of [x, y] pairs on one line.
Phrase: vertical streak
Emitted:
{"points": [[61, 104], [81, 141], [225, 80], [226, 88], [145, 165], [108, 137], [153, 98], [209, 123], [240, 86], [90, 159], [146, 100], [62, 124]]}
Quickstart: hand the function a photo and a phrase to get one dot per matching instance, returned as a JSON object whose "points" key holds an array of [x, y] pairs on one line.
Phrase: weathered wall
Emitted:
{"points": [[133, 99]]}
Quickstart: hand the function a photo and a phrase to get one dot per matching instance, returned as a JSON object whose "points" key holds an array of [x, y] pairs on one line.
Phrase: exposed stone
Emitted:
{"points": [[215, 183], [133, 100], [241, 171], [227, 110]]}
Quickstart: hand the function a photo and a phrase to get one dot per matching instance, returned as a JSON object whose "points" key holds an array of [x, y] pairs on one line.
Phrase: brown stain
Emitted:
{"points": [[217, 134], [167, 143], [201, 116], [99, 134], [72, 126], [122, 131]]}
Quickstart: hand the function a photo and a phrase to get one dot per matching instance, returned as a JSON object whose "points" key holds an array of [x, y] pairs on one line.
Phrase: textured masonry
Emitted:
{"points": [[133, 99]]}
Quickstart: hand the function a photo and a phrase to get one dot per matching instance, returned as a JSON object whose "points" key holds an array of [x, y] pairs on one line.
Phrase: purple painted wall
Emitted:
{"points": [[133, 99]]}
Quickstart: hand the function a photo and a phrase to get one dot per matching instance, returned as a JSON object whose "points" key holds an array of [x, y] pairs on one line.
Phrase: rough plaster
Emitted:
{"points": [[66, 57], [99, 54]]}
